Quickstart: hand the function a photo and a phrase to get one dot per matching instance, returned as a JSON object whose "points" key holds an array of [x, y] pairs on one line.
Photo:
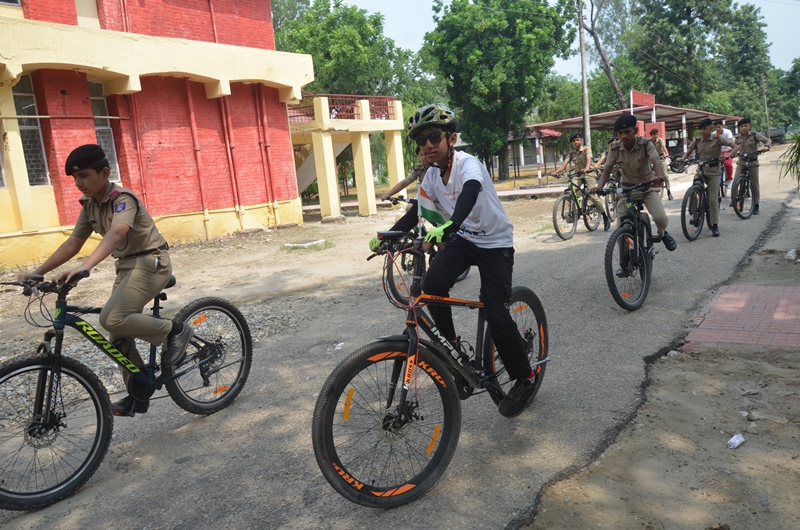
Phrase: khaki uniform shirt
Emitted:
{"points": [[577, 159], [661, 148], [119, 206], [418, 173], [711, 148], [749, 145], [635, 164]]}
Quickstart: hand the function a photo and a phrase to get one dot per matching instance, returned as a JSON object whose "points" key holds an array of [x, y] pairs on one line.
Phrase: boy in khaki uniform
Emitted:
{"points": [[709, 149], [747, 143], [143, 266], [661, 149], [638, 162], [580, 160]]}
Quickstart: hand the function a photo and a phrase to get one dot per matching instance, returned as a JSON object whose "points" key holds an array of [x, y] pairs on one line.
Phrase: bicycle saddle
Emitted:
{"points": [[171, 283]]}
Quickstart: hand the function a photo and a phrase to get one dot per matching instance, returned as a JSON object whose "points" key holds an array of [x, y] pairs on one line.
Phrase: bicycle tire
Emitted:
{"points": [[611, 204], [366, 459], [591, 219], [565, 217], [628, 292], [71, 453], [527, 311], [692, 214], [399, 281], [463, 276], [216, 384], [742, 197]]}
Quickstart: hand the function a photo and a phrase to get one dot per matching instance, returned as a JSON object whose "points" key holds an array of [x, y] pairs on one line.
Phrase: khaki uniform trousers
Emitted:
{"points": [[591, 182], [711, 179], [138, 281], [753, 180], [652, 202], [666, 172]]}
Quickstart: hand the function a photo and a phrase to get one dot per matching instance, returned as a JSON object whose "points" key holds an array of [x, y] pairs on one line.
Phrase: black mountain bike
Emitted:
{"points": [[387, 420], [629, 253], [55, 413], [572, 205], [742, 190], [399, 263], [695, 209], [611, 191]]}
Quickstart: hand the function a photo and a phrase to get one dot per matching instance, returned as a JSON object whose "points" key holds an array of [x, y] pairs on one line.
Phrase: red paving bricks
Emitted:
{"points": [[746, 316]]}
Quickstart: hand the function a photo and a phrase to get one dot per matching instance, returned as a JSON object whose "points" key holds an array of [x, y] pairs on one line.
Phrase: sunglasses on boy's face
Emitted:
{"points": [[434, 137]]}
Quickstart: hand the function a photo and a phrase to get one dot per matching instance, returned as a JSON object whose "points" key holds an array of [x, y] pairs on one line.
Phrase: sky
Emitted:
{"points": [[407, 21]]}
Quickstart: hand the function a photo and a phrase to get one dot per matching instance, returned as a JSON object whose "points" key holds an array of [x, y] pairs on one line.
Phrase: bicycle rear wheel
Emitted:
{"points": [[41, 465], [565, 217], [369, 455], [399, 276], [223, 348], [627, 274], [591, 219], [742, 197], [692, 213], [527, 311], [611, 203]]}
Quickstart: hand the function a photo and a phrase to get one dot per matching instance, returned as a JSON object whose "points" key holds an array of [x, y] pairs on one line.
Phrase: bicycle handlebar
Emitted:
{"points": [[642, 186], [36, 284]]}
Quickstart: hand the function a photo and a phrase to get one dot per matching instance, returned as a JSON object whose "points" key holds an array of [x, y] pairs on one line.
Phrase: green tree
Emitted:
{"points": [[494, 56], [285, 10]]}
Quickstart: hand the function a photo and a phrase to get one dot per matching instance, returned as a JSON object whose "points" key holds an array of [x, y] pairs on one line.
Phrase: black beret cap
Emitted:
{"points": [[89, 156], [743, 121], [625, 121], [706, 122], [576, 135], [653, 131]]}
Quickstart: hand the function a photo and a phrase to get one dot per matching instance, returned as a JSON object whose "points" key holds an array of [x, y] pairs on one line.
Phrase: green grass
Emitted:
{"points": [[317, 247]]}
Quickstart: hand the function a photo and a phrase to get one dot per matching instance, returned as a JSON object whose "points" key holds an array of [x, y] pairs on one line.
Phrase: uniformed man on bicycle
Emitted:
{"points": [[747, 143], [663, 153], [143, 266], [638, 162], [580, 160], [710, 149]]}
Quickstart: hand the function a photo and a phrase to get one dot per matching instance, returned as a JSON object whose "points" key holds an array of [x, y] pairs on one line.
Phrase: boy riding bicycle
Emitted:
{"points": [[580, 160], [747, 143], [638, 162], [458, 196], [143, 266]]}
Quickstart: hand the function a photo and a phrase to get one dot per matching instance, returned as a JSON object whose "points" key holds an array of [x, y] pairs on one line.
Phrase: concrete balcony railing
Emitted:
{"points": [[325, 112]]}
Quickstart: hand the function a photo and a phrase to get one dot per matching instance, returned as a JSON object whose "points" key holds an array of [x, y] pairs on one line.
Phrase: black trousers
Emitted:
{"points": [[495, 266]]}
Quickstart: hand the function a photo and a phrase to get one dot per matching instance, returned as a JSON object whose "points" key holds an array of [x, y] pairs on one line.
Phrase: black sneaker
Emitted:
{"points": [[715, 231], [622, 273], [669, 242], [128, 406], [755, 210], [518, 398], [606, 223], [176, 346], [669, 195]]}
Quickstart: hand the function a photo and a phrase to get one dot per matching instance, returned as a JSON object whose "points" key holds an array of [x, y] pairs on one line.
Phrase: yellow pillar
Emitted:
{"points": [[16, 172], [394, 156], [362, 164], [325, 164]]}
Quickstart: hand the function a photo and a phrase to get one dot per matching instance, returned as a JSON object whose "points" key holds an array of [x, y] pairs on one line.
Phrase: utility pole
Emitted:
{"points": [[585, 88], [766, 109]]}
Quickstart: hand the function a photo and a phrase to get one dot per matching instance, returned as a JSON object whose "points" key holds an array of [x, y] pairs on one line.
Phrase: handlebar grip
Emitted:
{"points": [[37, 277]]}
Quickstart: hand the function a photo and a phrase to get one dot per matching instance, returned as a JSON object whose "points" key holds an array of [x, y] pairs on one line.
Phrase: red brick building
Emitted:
{"points": [[187, 96]]}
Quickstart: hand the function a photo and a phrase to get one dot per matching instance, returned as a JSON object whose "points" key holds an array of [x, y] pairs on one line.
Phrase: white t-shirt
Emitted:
{"points": [[726, 133], [487, 225]]}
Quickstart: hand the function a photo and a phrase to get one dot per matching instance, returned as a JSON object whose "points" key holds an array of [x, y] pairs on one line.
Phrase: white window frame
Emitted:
{"points": [[104, 124], [37, 128]]}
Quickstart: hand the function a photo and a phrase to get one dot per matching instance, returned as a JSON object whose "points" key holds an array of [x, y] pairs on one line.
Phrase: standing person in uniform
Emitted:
{"points": [[661, 149], [580, 160], [639, 163], [709, 149], [143, 266], [747, 143], [457, 195], [727, 161]]}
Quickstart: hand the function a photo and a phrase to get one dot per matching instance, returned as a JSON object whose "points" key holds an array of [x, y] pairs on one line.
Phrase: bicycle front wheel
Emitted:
{"points": [[528, 313], [565, 217], [591, 219], [742, 197], [692, 214], [42, 464], [365, 450], [627, 271], [220, 354]]}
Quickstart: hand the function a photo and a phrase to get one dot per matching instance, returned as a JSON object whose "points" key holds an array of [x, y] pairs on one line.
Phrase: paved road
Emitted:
{"points": [[253, 467]]}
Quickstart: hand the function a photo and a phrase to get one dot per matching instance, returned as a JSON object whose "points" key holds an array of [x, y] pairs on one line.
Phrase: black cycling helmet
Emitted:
{"points": [[434, 114]]}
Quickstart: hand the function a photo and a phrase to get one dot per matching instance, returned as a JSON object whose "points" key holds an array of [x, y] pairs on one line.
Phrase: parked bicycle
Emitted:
{"points": [[742, 191], [55, 413], [398, 265], [388, 418], [630, 253], [572, 205], [695, 209], [676, 166]]}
